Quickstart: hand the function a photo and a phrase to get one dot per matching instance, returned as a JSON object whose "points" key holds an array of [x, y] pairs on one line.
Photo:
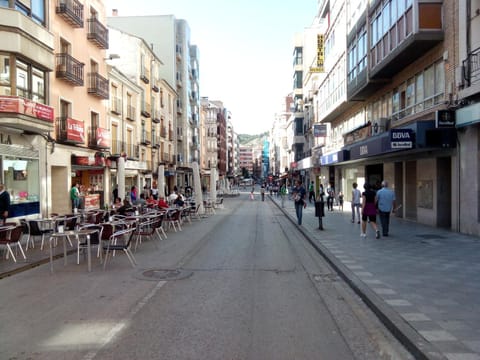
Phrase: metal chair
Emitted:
{"points": [[10, 238], [95, 240], [120, 240]]}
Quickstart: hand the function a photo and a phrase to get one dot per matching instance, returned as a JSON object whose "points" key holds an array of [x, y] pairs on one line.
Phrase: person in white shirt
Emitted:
{"points": [[356, 196]]}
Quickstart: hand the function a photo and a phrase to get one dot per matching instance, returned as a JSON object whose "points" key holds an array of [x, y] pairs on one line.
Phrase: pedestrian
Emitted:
{"points": [[356, 196], [262, 192], [385, 205], [369, 210], [340, 201], [75, 197], [330, 196], [115, 192], [311, 192], [133, 194], [155, 191], [283, 193], [299, 197], [4, 204]]}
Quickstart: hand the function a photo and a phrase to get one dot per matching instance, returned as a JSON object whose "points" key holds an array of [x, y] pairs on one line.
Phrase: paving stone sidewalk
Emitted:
{"points": [[423, 282]]}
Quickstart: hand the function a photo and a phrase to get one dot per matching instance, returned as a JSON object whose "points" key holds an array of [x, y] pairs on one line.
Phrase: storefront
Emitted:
{"points": [[20, 173]]}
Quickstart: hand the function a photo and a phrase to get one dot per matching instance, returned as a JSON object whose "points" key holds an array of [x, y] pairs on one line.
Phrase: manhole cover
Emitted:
{"points": [[167, 275]]}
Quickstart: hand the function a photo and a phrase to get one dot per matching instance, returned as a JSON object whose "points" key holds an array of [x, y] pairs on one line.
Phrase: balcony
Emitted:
{"points": [[156, 116], [146, 138], [131, 113], [97, 33], [146, 108], [163, 131], [471, 68], [145, 75], [155, 141], [155, 87], [408, 38], [116, 105], [98, 85], [69, 69], [98, 138], [71, 11], [69, 131]]}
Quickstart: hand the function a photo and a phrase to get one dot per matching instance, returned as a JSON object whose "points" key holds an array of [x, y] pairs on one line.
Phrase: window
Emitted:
{"points": [[439, 81], [19, 173], [33, 8], [65, 108], [5, 88], [114, 135], [419, 92], [30, 82], [94, 120]]}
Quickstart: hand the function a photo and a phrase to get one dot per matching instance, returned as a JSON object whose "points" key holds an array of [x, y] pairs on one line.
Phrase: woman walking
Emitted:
{"points": [[369, 210]]}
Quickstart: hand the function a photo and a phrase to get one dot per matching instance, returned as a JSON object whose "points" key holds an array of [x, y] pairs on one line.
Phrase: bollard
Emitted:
{"points": [[320, 212]]}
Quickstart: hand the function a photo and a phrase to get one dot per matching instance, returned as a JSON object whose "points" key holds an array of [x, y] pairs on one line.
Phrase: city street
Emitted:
{"points": [[241, 284]]}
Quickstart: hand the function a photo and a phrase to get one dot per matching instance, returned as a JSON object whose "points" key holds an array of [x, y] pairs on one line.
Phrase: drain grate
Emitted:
{"points": [[167, 275], [325, 277]]}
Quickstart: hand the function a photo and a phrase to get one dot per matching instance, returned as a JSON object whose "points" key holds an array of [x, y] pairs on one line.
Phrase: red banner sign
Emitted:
{"points": [[75, 130], [103, 138], [18, 105]]}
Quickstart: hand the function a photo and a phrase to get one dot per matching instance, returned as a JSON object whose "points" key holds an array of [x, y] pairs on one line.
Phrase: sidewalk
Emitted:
{"points": [[422, 282]]}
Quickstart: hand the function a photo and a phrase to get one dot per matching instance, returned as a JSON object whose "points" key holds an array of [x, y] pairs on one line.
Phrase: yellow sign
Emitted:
{"points": [[320, 54]]}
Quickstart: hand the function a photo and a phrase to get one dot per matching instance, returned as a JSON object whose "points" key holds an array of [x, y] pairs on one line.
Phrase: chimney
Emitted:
{"points": [[114, 12]]}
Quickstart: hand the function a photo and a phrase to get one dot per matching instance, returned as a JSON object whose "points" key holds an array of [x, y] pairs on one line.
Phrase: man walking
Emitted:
{"points": [[4, 204], [386, 205], [299, 195], [356, 196], [311, 192]]}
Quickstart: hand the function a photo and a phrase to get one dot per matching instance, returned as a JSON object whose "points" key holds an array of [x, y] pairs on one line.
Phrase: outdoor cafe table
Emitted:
{"points": [[64, 235]]}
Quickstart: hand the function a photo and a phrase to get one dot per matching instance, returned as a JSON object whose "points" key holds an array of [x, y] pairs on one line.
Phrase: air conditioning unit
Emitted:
{"points": [[380, 125]]}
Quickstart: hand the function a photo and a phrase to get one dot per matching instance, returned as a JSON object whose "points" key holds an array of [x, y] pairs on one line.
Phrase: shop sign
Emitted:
{"points": [[103, 138], [18, 105], [92, 201], [445, 118], [320, 130], [401, 138], [75, 130]]}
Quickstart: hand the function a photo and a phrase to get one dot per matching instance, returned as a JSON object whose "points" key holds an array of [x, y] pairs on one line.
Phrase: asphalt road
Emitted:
{"points": [[241, 284]]}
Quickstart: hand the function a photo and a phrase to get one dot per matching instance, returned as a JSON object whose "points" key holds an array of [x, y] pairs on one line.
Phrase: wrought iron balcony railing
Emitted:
{"points": [[69, 69], [71, 11], [131, 113], [97, 33], [98, 85], [471, 68]]}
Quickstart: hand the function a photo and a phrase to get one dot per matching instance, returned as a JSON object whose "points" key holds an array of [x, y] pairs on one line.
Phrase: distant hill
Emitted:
{"points": [[246, 139]]}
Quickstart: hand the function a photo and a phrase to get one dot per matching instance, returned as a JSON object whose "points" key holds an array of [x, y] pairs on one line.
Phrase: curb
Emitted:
{"points": [[417, 345]]}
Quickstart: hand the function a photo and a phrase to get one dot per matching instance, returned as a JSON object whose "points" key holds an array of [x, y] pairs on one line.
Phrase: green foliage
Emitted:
{"points": [[245, 139]]}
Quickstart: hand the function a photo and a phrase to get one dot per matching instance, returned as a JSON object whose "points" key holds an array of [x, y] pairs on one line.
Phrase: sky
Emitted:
{"points": [[245, 48]]}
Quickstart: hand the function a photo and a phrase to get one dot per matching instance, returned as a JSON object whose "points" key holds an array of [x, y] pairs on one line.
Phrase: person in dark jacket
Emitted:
{"points": [[4, 204]]}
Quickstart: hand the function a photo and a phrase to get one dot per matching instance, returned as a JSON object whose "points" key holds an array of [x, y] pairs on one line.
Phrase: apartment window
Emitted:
{"points": [[94, 120], [439, 81], [420, 92], [298, 56], [5, 88], [114, 134], [34, 9], [30, 81], [65, 108]]}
